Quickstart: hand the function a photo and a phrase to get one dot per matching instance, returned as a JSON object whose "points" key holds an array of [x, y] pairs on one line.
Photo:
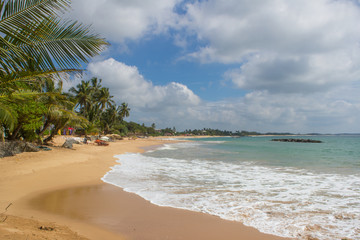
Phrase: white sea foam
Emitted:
{"points": [[176, 146], [283, 201], [167, 147], [172, 139]]}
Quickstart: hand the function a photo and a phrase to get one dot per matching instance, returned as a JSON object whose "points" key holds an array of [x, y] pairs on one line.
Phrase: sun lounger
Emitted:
{"points": [[101, 143]]}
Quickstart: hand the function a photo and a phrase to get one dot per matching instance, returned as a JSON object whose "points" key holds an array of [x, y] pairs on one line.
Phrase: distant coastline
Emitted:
{"points": [[243, 133]]}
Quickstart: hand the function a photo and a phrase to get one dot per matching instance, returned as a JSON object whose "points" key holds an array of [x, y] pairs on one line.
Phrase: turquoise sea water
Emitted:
{"points": [[287, 189]]}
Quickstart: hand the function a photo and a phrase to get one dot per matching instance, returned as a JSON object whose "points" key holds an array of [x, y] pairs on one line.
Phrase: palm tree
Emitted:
{"points": [[58, 106], [108, 119], [104, 98], [83, 96], [96, 83], [35, 43], [124, 111]]}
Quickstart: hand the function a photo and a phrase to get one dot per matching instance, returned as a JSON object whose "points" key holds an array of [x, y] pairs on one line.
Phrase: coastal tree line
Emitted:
{"points": [[215, 132]]}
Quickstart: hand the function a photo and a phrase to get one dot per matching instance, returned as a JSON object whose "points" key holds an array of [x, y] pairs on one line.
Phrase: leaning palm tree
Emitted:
{"points": [[36, 43], [57, 105]]}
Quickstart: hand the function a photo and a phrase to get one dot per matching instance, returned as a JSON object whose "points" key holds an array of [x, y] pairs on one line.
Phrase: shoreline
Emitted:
{"points": [[46, 177]]}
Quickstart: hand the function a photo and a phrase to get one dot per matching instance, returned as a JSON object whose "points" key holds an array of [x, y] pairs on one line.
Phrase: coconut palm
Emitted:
{"points": [[96, 83], [124, 111], [104, 98], [108, 119], [58, 105], [83, 94]]}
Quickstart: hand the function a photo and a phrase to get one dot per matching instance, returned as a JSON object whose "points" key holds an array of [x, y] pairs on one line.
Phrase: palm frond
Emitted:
{"points": [[9, 54], [7, 116], [16, 80], [33, 33], [17, 14], [65, 43]]}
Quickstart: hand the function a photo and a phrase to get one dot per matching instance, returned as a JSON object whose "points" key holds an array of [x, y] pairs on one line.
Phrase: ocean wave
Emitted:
{"points": [[176, 146], [287, 202]]}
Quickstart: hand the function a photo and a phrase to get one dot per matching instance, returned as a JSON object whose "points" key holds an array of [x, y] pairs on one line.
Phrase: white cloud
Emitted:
{"points": [[262, 111], [234, 29], [297, 74], [281, 46], [127, 84], [119, 20]]}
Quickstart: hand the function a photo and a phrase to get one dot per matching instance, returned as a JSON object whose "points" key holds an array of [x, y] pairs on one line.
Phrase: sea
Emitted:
{"points": [[296, 190]]}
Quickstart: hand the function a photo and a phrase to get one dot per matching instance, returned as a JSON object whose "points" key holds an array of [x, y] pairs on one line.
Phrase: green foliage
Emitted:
{"points": [[121, 129], [210, 132], [32, 32], [92, 99], [30, 114], [94, 102]]}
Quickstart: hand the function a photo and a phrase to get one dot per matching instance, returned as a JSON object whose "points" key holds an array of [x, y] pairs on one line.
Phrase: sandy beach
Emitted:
{"points": [[59, 194]]}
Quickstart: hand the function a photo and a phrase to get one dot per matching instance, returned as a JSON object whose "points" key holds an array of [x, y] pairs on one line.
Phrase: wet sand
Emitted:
{"points": [[128, 214]]}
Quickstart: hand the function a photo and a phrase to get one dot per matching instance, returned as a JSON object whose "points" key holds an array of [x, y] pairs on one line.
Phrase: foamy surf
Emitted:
{"points": [[283, 201]]}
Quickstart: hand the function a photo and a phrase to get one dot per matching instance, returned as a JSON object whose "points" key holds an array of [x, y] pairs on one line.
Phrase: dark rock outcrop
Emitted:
{"points": [[15, 147], [69, 143], [298, 140]]}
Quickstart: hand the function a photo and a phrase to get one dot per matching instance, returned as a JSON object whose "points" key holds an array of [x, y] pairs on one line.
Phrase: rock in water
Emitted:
{"points": [[298, 140]]}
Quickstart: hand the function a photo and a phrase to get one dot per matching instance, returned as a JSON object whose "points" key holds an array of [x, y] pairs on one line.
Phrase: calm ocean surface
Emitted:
{"points": [[287, 189]]}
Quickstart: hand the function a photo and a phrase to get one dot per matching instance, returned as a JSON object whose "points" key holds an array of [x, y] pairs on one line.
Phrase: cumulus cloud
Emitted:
{"points": [[296, 74], [120, 20], [281, 46], [234, 29], [166, 105], [127, 84]]}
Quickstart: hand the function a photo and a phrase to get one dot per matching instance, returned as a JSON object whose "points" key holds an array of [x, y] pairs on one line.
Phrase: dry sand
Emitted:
{"points": [[58, 194]]}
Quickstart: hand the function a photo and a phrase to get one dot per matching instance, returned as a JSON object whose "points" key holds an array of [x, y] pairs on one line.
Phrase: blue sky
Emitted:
{"points": [[159, 60], [286, 66]]}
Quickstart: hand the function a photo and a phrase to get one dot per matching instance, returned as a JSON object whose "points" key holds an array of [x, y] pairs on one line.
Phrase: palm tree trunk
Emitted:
{"points": [[59, 125], [46, 125], [2, 135], [51, 136], [15, 132]]}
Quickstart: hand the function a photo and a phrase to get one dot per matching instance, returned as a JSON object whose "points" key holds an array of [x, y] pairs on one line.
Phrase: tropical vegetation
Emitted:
{"points": [[95, 104], [38, 50]]}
